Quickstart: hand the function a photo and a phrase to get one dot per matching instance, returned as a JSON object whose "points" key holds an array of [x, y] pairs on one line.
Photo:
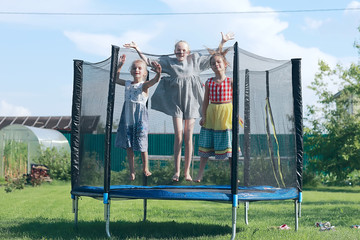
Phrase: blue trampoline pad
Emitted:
{"points": [[203, 192]]}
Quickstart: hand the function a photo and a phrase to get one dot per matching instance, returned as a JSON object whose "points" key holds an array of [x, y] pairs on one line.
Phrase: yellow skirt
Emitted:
{"points": [[216, 134]]}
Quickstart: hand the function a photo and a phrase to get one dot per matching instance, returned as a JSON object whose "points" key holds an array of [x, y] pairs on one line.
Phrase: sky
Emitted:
{"points": [[37, 50]]}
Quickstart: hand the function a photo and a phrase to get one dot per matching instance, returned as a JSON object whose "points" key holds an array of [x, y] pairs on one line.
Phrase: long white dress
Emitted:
{"points": [[134, 121]]}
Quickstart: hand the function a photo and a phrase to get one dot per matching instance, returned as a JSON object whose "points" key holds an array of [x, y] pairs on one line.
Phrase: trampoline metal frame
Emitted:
{"points": [[107, 202]]}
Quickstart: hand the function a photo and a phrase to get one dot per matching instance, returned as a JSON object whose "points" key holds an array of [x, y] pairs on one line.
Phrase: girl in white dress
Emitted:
{"points": [[132, 133]]}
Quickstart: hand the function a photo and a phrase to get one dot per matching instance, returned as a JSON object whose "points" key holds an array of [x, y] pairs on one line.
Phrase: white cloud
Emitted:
{"points": [[313, 24], [7, 109], [353, 4], [261, 34], [99, 44]]}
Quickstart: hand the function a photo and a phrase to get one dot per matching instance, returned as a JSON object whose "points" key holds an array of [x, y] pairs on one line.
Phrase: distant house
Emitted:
{"points": [[353, 106]]}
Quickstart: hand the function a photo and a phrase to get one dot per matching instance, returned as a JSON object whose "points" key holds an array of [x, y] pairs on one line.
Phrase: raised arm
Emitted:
{"points": [[156, 67], [119, 81], [205, 105], [224, 39], [137, 49]]}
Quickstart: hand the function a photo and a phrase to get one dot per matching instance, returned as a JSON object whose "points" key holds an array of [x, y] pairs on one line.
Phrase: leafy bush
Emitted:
{"points": [[161, 174], [353, 178], [217, 173], [2, 181], [91, 170], [310, 179], [58, 161], [15, 183]]}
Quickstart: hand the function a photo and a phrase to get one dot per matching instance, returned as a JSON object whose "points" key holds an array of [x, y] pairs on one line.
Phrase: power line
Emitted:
{"points": [[177, 13]]}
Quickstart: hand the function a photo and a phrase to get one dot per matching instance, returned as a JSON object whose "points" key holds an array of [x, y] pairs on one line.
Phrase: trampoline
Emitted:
{"points": [[202, 192], [266, 93]]}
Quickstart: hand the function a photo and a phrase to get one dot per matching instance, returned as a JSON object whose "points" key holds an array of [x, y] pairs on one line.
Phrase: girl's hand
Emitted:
{"points": [[130, 45], [202, 122], [156, 67], [122, 59], [227, 37]]}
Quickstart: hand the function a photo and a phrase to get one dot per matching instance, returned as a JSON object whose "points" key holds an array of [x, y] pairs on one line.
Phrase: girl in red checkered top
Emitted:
{"points": [[215, 134]]}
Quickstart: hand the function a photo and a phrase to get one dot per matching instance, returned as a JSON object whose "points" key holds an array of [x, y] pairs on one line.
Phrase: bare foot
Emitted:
{"points": [[147, 173], [132, 176], [175, 178], [188, 178], [198, 179]]}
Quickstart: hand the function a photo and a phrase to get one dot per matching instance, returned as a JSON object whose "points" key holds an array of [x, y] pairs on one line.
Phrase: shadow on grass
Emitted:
{"points": [[332, 189], [53, 229], [307, 203]]}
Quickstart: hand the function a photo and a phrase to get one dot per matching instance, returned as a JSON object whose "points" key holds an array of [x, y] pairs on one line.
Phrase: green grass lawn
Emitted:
{"points": [[45, 212]]}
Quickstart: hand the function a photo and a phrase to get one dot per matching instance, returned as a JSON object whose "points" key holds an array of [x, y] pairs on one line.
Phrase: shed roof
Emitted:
{"points": [[60, 123]]}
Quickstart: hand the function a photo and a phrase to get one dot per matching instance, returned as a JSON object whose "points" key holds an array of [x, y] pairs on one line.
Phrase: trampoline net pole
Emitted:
{"points": [[246, 150], [109, 117], [297, 94], [75, 122], [235, 124]]}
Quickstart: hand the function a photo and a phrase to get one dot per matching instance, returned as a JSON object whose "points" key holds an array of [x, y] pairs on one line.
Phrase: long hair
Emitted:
{"points": [[219, 52]]}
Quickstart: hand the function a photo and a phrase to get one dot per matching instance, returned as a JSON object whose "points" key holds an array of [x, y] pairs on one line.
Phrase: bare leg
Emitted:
{"points": [[178, 130], [188, 135], [203, 162], [130, 156], [145, 160]]}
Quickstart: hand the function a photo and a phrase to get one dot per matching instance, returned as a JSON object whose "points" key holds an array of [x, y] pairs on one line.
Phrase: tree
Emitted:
{"points": [[333, 134]]}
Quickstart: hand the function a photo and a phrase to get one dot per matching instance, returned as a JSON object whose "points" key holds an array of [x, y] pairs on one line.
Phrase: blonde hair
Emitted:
{"points": [[182, 41], [139, 61], [220, 53]]}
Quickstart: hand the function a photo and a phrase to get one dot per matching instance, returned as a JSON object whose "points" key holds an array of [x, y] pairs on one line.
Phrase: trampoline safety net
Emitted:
{"points": [[269, 103]]}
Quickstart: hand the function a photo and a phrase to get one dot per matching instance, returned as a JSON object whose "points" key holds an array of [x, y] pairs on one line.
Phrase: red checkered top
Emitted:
{"points": [[219, 93]]}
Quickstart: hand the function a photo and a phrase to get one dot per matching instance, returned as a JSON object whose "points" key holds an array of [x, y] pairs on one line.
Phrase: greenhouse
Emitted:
{"points": [[21, 146]]}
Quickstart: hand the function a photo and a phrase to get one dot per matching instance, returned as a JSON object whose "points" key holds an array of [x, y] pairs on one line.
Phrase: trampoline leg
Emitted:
{"points": [[75, 210], [233, 222], [145, 209], [299, 202], [246, 211], [296, 215], [107, 218]]}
